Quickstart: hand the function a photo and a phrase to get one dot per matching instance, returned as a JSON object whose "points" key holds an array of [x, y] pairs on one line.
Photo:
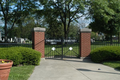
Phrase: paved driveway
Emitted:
{"points": [[73, 69]]}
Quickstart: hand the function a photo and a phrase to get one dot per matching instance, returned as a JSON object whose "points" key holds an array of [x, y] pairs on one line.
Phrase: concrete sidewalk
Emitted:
{"points": [[73, 69]]}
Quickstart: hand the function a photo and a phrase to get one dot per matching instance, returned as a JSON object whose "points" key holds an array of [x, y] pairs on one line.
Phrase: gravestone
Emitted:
{"points": [[11, 40], [8, 40], [21, 40], [15, 39]]}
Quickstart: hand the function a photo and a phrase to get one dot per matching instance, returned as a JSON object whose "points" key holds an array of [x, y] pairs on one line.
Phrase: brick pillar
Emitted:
{"points": [[85, 42], [39, 40]]}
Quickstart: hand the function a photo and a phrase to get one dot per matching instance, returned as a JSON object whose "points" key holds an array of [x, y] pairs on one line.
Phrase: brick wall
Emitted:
{"points": [[85, 44], [39, 40]]}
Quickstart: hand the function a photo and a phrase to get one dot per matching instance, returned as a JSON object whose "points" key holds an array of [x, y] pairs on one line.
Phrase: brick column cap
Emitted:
{"points": [[85, 30], [39, 29]]}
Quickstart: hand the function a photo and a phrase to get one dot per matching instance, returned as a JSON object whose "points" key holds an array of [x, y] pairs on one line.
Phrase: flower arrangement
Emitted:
{"points": [[1, 62], [5, 66]]}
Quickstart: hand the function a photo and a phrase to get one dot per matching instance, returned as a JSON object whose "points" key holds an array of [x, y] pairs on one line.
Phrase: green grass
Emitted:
{"points": [[114, 64], [21, 72]]}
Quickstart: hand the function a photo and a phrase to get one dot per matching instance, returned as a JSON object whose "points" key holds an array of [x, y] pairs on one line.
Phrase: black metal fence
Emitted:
{"points": [[104, 42], [61, 48], [3, 45]]}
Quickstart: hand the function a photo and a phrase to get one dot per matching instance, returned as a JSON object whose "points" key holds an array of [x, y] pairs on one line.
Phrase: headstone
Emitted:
{"points": [[11, 40], [8, 40], [21, 40], [3, 40], [25, 39], [15, 39]]}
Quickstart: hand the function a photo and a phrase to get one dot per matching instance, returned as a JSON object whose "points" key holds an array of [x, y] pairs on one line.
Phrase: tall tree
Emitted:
{"points": [[55, 28], [28, 25], [106, 16], [73, 33], [12, 10], [5, 8], [66, 11]]}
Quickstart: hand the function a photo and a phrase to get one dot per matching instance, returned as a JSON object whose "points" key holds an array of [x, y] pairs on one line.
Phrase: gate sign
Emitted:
{"points": [[53, 48], [70, 48]]}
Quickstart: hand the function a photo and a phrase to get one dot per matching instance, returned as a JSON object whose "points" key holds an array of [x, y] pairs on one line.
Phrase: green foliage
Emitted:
{"points": [[30, 56], [14, 12], [105, 15], [25, 31], [63, 11], [95, 36], [105, 53], [21, 55], [11, 54], [73, 31], [54, 29]]}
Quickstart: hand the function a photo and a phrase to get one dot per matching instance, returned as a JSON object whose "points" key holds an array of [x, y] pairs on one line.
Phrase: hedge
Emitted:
{"points": [[21, 55], [105, 53]]}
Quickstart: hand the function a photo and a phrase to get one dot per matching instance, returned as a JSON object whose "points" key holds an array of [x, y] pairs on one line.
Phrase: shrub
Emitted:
{"points": [[105, 53], [11, 54], [30, 56], [21, 55]]}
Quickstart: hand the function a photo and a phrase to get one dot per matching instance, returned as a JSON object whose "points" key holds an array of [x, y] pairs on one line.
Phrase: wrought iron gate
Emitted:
{"points": [[61, 48]]}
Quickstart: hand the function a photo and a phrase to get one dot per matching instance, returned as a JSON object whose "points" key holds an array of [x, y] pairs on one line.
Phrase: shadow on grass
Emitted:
{"points": [[117, 68]]}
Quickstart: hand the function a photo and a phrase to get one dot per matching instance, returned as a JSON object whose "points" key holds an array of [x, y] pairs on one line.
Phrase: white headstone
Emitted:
{"points": [[15, 39], [3, 39], [21, 40], [11, 40]]}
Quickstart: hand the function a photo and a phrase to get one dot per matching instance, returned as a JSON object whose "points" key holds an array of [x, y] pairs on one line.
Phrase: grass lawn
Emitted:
{"points": [[21, 72], [114, 64]]}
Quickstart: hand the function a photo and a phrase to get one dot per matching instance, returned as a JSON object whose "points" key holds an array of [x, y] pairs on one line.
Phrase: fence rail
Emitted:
{"points": [[15, 45], [101, 43]]}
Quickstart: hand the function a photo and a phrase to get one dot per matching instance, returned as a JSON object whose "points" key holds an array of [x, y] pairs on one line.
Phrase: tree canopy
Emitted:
{"points": [[65, 11], [11, 12], [105, 15]]}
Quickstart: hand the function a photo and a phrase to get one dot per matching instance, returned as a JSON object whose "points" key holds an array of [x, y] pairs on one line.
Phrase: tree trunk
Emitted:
{"points": [[65, 31], [118, 37], [5, 30], [111, 39]]}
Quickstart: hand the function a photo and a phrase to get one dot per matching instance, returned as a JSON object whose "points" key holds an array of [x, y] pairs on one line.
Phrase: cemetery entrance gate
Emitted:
{"points": [[62, 48]]}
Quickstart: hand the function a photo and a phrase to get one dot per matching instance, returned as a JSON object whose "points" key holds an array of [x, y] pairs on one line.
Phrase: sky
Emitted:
{"points": [[84, 21], [1, 23]]}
